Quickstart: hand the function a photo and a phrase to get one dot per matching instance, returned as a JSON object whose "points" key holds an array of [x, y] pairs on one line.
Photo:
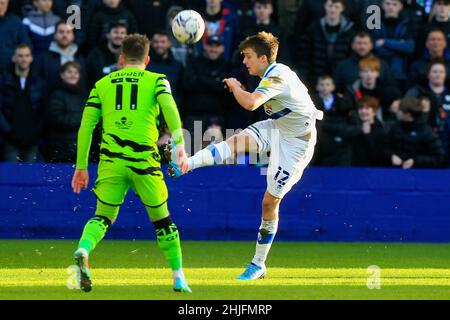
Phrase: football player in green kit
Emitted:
{"points": [[129, 101]]}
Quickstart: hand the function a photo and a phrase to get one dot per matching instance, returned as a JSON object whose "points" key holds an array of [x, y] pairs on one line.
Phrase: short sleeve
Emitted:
{"points": [[271, 86]]}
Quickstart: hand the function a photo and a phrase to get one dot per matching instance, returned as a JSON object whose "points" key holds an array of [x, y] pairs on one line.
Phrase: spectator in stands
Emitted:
{"points": [[439, 20], [163, 61], [435, 97], [40, 23], [263, 10], [338, 128], [179, 50], [325, 43], [369, 146], [287, 11], [108, 12], [63, 116], [104, 58], [413, 143], [436, 48], [312, 11], [205, 95], [12, 34], [21, 8], [21, 103], [87, 9], [62, 50], [347, 71], [415, 14], [393, 41], [369, 84], [150, 15], [220, 20]]}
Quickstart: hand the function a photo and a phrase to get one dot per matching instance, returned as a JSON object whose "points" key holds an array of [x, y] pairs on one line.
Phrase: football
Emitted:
{"points": [[188, 26]]}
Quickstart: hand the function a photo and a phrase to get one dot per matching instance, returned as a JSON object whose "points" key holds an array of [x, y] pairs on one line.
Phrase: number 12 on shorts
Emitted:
{"points": [[279, 178]]}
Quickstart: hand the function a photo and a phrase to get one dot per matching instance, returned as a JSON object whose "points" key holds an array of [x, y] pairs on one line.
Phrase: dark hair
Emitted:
{"points": [[443, 2], [362, 34], [263, 43], [263, 2], [70, 64], [434, 62], [325, 77], [411, 105], [23, 46], [117, 24], [161, 32], [60, 22], [369, 101], [435, 29], [135, 47], [337, 1]]}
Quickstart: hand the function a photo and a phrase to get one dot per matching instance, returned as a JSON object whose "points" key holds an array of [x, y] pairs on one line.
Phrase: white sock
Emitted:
{"points": [[178, 274], [211, 155], [266, 234]]}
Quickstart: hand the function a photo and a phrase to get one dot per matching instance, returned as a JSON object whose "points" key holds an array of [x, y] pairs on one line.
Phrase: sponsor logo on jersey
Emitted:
{"points": [[123, 123]]}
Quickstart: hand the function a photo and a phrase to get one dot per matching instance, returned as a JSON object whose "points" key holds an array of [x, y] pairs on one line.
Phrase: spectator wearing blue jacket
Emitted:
{"points": [[222, 21], [393, 40], [40, 23], [12, 34]]}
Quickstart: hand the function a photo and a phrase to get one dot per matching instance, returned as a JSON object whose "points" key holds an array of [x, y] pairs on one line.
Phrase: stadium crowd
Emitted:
{"points": [[383, 87]]}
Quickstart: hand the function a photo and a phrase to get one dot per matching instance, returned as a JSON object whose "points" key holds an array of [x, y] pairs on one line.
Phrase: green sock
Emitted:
{"points": [[169, 242], [93, 232]]}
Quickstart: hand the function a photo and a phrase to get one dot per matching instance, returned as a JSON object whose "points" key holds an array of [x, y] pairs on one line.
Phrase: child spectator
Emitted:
{"points": [[338, 128], [370, 144], [40, 23], [369, 84], [413, 143]]}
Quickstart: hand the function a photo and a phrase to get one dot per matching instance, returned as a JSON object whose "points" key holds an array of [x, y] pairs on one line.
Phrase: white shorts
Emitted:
{"points": [[289, 156]]}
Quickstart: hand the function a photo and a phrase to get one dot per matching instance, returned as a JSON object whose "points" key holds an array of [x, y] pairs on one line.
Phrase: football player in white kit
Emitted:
{"points": [[289, 134]]}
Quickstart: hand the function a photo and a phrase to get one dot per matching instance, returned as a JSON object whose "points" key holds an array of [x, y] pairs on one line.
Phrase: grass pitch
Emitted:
{"points": [[31, 269]]}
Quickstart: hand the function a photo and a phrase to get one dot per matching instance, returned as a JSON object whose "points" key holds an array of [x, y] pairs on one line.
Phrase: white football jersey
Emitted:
{"points": [[289, 104]]}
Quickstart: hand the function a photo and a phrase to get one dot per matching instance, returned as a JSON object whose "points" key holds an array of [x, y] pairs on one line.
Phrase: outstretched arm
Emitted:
{"points": [[249, 101]]}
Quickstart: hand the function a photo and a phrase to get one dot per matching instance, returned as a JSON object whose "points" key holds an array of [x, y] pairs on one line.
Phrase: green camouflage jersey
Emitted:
{"points": [[129, 102]]}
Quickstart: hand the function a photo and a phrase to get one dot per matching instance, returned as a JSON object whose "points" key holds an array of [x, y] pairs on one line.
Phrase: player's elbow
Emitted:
{"points": [[250, 105]]}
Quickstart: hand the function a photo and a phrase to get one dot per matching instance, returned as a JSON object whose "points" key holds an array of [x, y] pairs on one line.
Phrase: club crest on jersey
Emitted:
{"points": [[123, 123], [268, 109]]}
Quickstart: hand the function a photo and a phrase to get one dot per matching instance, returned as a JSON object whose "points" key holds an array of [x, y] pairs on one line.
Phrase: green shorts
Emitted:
{"points": [[115, 178]]}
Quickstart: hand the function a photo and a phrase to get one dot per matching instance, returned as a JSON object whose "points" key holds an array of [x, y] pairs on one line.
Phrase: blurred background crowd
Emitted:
{"points": [[379, 75]]}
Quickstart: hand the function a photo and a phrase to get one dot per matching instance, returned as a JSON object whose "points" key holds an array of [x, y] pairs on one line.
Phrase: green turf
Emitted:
{"points": [[33, 269]]}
